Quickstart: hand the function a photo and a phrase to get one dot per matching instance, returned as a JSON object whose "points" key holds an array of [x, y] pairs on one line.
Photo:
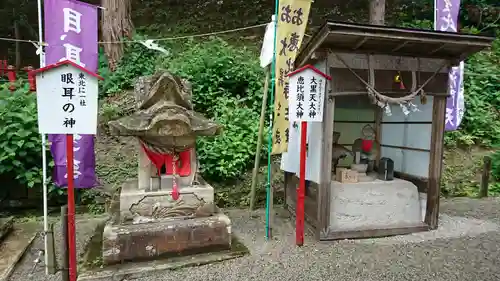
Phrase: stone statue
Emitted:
{"points": [[339, 152], [168, 197]]}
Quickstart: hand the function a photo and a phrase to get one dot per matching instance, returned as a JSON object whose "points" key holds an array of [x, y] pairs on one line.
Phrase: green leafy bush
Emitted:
{"points": [[227, 87], [495, 165], [229, 155], [219, 70], [20, 142]]}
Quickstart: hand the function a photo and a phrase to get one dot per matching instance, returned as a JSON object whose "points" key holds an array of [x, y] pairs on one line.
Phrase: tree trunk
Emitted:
{"points": [[116, 25], [377, 12], [17, 35]]}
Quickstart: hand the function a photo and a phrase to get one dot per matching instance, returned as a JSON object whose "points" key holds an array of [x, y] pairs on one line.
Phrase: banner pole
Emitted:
{"points": [[44, 147], [271, 112], [435, 14], [260, 136]]}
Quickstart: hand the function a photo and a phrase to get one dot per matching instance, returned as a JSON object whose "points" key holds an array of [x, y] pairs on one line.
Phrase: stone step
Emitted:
{"points": [[14, 246], [6, 225]]}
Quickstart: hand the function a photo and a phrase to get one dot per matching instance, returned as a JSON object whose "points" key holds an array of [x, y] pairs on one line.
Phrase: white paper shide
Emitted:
{"points": [[67, 100], [307, 95]]}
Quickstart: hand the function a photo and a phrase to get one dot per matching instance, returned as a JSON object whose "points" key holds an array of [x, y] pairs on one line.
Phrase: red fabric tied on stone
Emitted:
{"points": [[183, 170], [367, 145]]}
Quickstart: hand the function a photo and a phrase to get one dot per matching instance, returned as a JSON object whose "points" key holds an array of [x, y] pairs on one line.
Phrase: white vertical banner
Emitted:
{"points": [[290, 160]]}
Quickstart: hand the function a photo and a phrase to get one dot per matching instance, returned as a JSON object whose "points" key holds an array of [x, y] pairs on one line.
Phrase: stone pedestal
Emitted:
{"points": [[148, 223], [165, 238]]}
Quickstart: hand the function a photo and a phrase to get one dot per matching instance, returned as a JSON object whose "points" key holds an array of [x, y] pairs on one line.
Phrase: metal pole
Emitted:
{"points": [[44, 150], [65, 243], [435, 15]]}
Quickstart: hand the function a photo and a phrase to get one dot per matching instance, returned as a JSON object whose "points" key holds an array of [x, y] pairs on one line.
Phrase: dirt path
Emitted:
{"points": [[464, 248]]}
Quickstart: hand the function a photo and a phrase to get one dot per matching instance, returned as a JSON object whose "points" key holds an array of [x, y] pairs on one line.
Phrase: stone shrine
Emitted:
{"points": [[169, 209]]}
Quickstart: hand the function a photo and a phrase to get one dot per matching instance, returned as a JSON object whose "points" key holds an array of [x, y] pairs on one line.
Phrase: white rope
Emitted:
{"points": [[188, 36], [385, 99], [17, 40], [157, 39]]}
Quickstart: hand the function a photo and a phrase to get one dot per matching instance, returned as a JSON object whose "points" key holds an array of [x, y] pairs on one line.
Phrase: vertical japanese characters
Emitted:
{"points": [[291, 23], [68, 87], [74, 91], [72, 23], [71, 33], [82, 89], [446, 20], [306, 96]]}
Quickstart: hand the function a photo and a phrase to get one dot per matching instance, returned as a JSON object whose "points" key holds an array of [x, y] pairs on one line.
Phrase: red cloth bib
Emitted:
{"points": [[367, 145], [166, 159]]}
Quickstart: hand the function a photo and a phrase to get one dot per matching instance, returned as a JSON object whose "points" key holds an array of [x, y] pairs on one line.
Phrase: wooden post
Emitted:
{"points": [[485, 179], [51, 251], [436, 162], [259, 141], [65, 243]]}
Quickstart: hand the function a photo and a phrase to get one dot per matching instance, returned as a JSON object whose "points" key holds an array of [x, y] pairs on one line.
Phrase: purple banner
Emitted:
{"points": [[446, 19], [71, 30]]}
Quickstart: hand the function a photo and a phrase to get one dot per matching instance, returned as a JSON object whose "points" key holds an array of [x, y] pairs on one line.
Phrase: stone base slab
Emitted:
{"points": [[175, 237], [373, 205]]}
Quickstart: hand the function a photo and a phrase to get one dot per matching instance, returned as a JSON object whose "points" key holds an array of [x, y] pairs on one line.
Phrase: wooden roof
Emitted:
{"points": [[373, 39]]}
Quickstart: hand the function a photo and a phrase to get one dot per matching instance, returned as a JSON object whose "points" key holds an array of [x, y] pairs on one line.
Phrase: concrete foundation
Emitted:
{"points": [[374, 204]]}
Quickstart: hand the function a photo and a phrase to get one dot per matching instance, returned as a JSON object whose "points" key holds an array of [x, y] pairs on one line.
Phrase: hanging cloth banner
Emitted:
{"points": [[291, 24], [446, 19], [267, 51], [71, 34]]}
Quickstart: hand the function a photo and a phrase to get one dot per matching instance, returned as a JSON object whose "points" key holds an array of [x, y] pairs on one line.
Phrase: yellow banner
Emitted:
{"points": [[292, 21]]}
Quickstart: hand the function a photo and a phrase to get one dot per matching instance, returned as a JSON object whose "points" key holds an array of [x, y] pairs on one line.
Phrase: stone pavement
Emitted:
{"points": [[465, 247]]}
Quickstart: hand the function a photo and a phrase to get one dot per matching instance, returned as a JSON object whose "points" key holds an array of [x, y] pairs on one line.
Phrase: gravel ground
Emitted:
{"points": [[463, 248]]}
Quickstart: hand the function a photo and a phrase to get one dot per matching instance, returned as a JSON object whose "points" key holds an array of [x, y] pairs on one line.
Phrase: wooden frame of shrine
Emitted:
{"points": [[363, 59]]}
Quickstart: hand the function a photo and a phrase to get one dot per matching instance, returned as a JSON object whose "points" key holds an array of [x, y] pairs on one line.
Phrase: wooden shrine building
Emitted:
{"points": [[389, 85]]}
